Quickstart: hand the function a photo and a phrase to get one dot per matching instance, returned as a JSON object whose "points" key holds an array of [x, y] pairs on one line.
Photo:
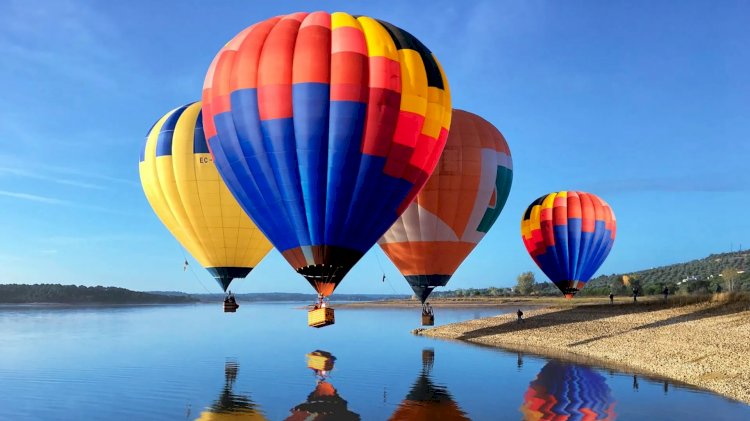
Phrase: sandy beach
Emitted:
{"points": [[703, 342]]}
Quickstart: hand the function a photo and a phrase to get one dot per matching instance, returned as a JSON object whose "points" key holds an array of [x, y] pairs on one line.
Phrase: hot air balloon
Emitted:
{"points": [[568, 392], [455, 209], [324, 403], [186, 192], [230, 405], [325, 127], [568, 234], [426, 400]]}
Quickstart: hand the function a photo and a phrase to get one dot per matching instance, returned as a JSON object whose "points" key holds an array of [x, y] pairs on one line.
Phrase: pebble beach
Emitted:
{"points": [[702, 342]]}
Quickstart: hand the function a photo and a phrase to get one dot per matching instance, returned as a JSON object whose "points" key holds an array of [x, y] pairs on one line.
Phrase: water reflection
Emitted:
{"points": [[567, 391], [324, 403], [426, 400], [231, 406]]}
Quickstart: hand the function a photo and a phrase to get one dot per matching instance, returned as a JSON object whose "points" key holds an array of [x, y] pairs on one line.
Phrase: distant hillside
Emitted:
{"points": [[72, 294], [692, 276], [291, 296], [695, 276]]}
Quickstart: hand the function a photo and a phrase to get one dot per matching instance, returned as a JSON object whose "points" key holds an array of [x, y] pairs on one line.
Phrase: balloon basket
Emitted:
{"points": [[428, 320], [320, 361], [320, 317], [230, 307]]}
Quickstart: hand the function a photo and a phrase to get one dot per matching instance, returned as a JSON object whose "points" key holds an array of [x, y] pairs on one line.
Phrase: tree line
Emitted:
{"points": [[723, 272], [72, 294]]}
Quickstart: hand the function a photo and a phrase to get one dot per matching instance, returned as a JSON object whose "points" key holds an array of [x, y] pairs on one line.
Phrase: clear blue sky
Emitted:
{"points": [[643, 103]]}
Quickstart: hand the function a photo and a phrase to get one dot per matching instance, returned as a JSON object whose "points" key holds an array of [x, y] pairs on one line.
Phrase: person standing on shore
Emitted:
{"points": [[611, 298], [519, 313], [635, 295], [666, 293]]}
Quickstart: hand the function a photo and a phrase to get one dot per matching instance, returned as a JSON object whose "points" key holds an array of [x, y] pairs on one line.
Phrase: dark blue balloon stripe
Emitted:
{"points": [[200, 145], [561, 249], [344, 154], [164, 141], [311, 115], [574, 246]]}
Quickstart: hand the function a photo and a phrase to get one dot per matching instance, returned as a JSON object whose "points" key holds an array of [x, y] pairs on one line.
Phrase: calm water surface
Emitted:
{"points": [[263, 362]]}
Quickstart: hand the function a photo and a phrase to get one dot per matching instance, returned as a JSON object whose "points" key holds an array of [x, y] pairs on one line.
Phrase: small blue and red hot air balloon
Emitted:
{"points": [[569, 234]]}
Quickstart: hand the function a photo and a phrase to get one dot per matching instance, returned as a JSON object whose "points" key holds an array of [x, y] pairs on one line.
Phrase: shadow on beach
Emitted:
{"points": [[718, 305]]}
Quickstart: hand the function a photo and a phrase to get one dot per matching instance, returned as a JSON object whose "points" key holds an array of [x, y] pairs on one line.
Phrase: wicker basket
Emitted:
{"points": [[320, 317]]}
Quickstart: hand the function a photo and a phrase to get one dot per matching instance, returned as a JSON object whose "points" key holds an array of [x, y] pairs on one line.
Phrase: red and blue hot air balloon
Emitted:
{"points": [[325, 127], [569, 234]]}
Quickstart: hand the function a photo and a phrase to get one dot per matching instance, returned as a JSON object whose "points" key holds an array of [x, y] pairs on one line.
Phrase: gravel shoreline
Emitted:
{"points": [[706, 344]]}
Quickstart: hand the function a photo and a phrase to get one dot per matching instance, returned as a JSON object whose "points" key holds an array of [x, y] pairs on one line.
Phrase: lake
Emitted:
{"points": [[263, 362]]}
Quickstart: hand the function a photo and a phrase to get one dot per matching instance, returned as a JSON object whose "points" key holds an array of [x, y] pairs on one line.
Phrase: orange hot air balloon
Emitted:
{"points": [[455, 209]]}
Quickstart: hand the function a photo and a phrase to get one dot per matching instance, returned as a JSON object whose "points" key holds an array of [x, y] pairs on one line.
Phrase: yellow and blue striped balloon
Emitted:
{"points": [[186, 192]]}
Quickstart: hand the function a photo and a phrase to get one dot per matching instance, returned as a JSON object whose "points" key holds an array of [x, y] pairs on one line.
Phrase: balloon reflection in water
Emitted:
{"points": [[324, 403], [427, 401], [231, 406], [568, 392]]}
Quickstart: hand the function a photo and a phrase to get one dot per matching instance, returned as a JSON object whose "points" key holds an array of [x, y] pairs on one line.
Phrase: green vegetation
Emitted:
{"points": [[725, 272], [71, 294], [526, 282]]}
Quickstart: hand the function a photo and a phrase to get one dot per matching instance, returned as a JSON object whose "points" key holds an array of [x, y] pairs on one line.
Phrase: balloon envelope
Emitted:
{"points": [[325, 127], [186, 192], [458, 205], [569, 234]]}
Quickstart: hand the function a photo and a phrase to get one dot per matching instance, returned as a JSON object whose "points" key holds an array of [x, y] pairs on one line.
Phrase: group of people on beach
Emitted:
{"points": [[636, 292]]}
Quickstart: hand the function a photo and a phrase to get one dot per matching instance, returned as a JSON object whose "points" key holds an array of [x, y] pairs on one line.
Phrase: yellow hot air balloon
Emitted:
{"points": [[186, 192]]}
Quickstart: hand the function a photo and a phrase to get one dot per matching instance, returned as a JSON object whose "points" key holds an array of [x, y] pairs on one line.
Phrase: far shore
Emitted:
{"points": [[504, 302], [699, 341], [96, 305]]}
